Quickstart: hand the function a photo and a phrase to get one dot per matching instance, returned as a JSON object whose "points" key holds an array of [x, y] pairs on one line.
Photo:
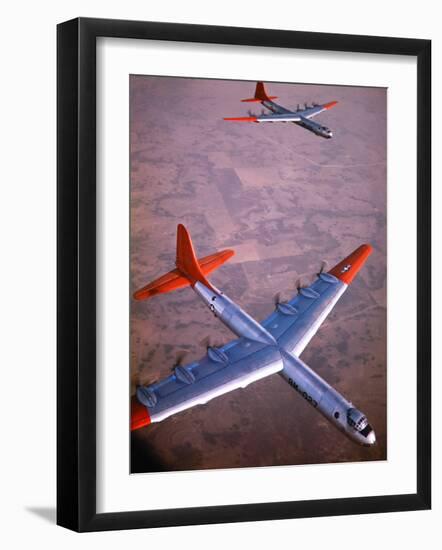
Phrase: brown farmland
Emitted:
{"points": [[284, 199]]}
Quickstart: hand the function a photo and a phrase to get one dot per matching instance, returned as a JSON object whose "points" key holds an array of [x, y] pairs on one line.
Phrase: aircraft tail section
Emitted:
{"points": [[189, 269], [186, 260], [260, 95]]}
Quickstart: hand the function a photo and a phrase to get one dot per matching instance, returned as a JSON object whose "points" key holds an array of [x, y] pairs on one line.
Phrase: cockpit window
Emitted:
{"points": [[366, 430], [356, 419]]}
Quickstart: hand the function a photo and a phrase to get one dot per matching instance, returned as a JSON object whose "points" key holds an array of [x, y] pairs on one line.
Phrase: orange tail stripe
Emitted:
{"points": [[347, 270], [139, 417]]}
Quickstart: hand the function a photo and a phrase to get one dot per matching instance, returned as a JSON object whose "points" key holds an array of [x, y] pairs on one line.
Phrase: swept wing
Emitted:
{"points": [[294, 323], [221, 370]]}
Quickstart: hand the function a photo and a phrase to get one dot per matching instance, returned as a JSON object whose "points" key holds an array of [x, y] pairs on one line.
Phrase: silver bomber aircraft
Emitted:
{"points": [[300, 116], [260, 349]]}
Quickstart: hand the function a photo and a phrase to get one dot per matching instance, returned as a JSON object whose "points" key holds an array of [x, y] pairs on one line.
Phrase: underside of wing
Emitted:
{"points": [[235, 365], [279, 117]]}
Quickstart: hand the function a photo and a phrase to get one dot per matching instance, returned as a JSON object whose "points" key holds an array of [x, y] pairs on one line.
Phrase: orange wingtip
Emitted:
{"points": [[347, 270], [242, 119], [139, 416], [330, 104]]}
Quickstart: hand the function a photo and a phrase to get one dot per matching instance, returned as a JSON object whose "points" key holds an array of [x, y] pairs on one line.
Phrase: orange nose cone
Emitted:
{"points": [[347, 270]]}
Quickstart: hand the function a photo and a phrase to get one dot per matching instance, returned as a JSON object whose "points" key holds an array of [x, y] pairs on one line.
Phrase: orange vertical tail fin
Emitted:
{"points": [[186, 260], [260, 95]]}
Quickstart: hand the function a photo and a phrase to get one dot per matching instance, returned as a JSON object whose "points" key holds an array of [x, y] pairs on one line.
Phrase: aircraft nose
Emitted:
{"points": [[371, 438]]}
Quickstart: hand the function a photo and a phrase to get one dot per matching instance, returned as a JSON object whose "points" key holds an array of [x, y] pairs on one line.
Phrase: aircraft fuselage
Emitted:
{"points": [[315, 127], [315, 390]]}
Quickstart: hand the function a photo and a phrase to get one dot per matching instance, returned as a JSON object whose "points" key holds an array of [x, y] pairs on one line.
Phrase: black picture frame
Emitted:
{"points": [[76, 273]]}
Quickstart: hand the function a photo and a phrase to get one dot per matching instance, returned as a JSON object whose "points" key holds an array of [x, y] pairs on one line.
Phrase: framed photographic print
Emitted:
{"points": [[243, 274]]}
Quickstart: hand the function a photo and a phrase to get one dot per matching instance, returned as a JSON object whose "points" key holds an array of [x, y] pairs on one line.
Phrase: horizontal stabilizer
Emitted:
{"points": [[242, 119], [257, 100], [189, 268], [172, 280]]}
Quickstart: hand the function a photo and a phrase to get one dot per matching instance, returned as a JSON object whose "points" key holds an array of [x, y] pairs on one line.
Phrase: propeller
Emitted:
{"points": [[277, 299], [306, 105], [250, 113], [179, 358], [315, 104], [298, 283], [324, 267], [302, 281], [208, 342], [298, 108], [139, 377], [135, 370]]}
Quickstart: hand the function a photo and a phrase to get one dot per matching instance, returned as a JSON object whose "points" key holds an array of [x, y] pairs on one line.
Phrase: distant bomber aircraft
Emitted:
{"points": [[260, 349], [301, 117]]}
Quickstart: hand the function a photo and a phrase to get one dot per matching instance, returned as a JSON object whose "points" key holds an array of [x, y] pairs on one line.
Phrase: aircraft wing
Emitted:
{"points": [[286, 116], [281, 114], [221, 370], [313, 111], [294, 323], [279, 117]]}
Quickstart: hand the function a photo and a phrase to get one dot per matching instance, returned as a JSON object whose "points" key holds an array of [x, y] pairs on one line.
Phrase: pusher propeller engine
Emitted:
{"points": [[183, 374], [213, 350]]}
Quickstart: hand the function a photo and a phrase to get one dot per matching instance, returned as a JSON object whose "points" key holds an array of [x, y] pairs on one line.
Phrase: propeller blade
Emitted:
{"points": [[205, 342], [139, 376], [298, 283], [136, 370], [208, 342], [324, 267], [180, 356], [151, 379], [277, 298]]}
